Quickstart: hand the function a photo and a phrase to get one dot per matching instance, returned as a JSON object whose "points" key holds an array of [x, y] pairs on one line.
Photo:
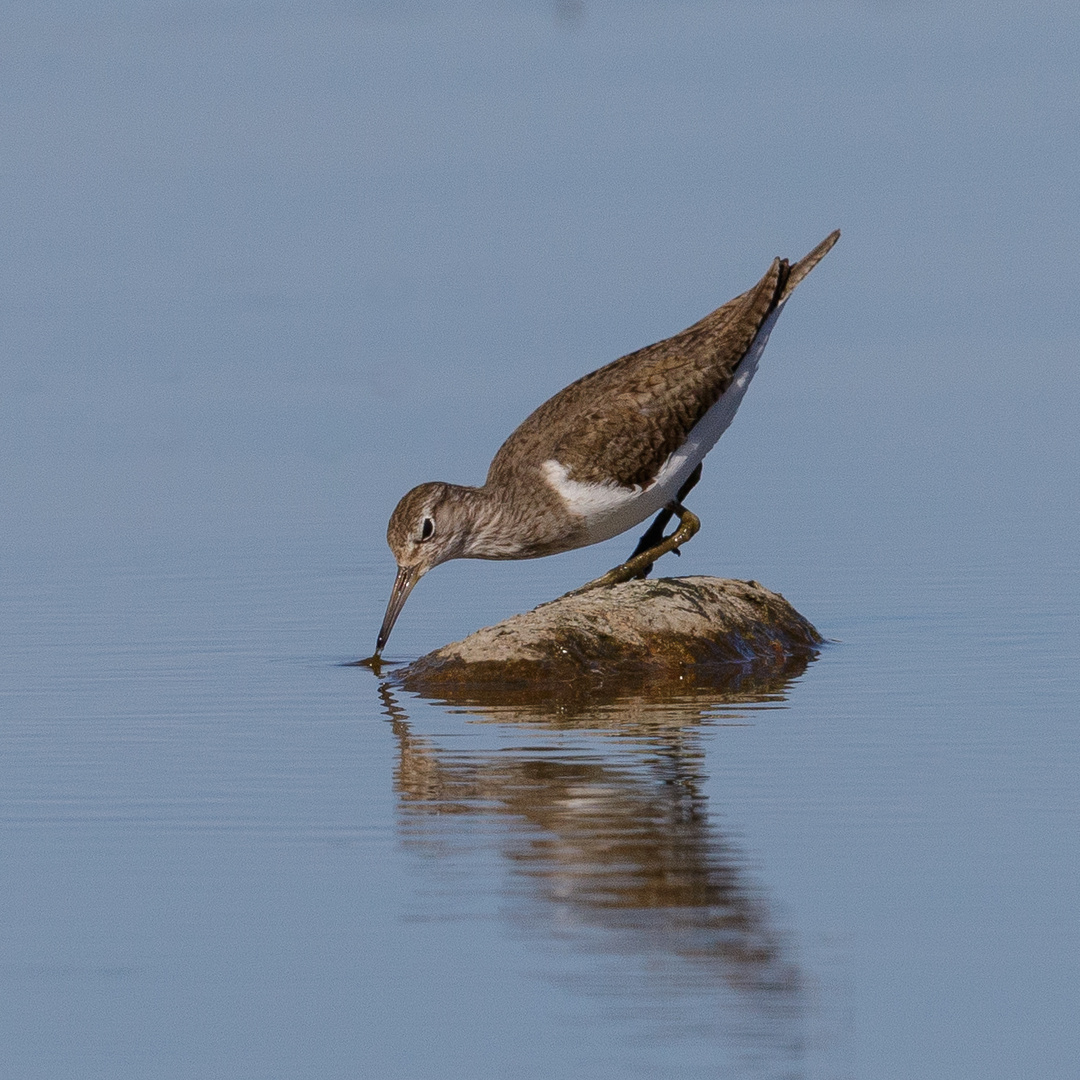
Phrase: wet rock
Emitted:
{"points": [[686, 631]]}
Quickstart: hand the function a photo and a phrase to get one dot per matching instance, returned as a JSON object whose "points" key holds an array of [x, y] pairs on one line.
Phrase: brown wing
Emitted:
{"points": [[622, 421]]}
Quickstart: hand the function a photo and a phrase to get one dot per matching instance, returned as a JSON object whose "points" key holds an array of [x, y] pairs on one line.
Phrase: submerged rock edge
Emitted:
{"points": [[663, 629]]}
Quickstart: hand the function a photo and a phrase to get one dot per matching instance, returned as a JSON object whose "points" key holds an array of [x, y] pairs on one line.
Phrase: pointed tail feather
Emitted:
{"points": [[806, 264]]}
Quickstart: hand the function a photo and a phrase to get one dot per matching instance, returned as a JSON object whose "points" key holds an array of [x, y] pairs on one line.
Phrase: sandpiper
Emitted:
{"points": [[610, 450]]}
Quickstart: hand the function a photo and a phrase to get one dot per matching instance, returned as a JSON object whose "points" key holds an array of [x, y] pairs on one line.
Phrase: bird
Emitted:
{"points": [[604, 454]]}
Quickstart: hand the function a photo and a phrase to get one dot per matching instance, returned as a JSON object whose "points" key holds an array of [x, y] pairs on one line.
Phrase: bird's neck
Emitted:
{"points": [[496, 522]]}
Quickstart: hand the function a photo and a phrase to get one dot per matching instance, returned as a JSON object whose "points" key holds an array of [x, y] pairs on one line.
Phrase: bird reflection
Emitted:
{"points": [[613, 837]]}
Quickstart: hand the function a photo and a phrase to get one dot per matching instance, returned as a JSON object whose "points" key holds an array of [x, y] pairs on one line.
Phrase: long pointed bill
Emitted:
{"points": [[407, 577]]}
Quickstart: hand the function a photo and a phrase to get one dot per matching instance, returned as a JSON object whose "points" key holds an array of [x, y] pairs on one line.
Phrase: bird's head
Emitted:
{"points": [[428, 527]]}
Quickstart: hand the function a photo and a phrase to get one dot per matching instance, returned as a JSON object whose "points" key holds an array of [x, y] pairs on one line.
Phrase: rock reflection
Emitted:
{"points": [[609, 834], [630, 696]]}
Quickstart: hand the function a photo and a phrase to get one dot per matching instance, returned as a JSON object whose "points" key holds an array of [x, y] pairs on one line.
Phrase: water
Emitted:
{"points": [[268, 267], [227, 854]]}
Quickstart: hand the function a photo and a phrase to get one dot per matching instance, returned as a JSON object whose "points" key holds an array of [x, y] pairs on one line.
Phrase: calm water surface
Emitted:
{"points": [[226, 854], [265, 266]]}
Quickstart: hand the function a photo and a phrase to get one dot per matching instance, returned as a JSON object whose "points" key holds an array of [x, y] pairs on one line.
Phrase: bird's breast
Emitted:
{"points": [[605, 509]]}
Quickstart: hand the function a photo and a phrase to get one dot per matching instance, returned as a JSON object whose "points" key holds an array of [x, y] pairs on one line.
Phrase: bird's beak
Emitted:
{"points": [[407, 577]]}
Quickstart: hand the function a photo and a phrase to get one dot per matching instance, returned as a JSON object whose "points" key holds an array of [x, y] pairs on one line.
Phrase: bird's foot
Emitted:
{"points": [[654, 535], [639, 565]]}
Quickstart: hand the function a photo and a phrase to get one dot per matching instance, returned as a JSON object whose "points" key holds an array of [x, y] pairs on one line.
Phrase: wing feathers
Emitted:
{"points": [[621, 422]]}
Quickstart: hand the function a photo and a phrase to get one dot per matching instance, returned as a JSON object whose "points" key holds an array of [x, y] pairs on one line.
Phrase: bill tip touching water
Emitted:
{"points": [[606, 453]]}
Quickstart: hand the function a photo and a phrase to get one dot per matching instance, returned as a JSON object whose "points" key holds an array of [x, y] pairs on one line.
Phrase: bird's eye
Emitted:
{"points": [[427, 529]]}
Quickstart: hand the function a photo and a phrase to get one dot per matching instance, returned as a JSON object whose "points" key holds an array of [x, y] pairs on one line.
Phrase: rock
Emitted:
{"points": [[685, 631]]}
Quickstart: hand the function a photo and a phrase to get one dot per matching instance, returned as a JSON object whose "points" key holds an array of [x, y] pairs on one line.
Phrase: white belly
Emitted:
{"points": [[610, 509]]}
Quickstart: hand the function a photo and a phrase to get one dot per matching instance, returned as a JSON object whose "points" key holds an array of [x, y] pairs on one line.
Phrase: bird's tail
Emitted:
{"points": [[803, 267]]}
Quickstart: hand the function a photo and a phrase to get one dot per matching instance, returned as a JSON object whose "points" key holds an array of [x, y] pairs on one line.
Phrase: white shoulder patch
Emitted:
{"points": [[590, 500]]}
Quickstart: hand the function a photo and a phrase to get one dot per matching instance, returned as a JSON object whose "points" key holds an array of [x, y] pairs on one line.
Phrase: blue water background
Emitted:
{"points": [[265, 266]]}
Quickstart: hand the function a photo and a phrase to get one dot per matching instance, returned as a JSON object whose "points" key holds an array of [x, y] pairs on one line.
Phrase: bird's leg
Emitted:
{"points": [[638, 565], [655, 532]]}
